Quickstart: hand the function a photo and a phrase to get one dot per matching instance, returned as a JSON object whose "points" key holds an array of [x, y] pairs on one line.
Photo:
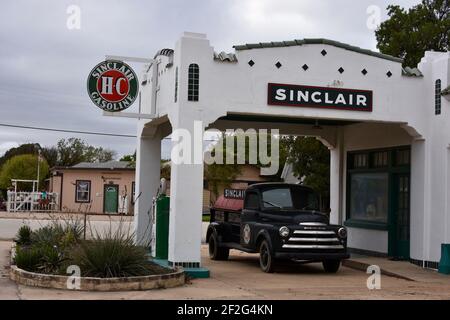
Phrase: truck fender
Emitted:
{"points": [[214, 227], [263, 234]]}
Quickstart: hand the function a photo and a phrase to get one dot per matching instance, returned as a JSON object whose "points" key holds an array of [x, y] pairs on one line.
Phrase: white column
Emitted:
{"points": [[336, 180], [186, 192], [419, 214], [447, 198], [148, 166]]}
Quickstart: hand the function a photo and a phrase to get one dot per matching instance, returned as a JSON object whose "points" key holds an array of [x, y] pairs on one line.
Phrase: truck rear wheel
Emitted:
{"points": [[266, 259], [216, 252], [331, 266]]}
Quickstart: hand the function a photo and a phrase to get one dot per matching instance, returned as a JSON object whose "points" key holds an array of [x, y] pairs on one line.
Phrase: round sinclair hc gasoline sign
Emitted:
{"points": [[112, 85]]}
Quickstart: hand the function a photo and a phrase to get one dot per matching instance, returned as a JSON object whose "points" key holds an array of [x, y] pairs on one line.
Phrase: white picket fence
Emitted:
{"points": [[32, 201]]}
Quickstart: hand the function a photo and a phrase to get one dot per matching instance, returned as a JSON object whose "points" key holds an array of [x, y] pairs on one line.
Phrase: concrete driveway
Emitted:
{"points": [[240, 278]]}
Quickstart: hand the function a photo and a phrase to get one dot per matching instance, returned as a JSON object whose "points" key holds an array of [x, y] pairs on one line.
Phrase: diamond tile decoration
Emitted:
{"points": [[364, 71], [251, 63], [278, 65], [323, 52], [341, 70], [305, 67], [389, 74]]}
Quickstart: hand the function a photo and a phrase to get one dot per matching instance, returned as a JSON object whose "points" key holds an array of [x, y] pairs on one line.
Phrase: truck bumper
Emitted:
{"points": [[313, 256]]}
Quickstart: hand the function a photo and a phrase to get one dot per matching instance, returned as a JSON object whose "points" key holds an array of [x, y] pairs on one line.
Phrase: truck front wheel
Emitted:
{"points": [[216, 252], [331, 266], [266, 259]]}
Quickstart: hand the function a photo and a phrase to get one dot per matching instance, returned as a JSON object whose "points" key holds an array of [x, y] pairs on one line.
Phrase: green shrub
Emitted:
{"points": [[56, 246], [23, 236], [48, 247], [46, 236], [113, 255], [51, 259], [58, 235], [74, 229], [27, 258]]}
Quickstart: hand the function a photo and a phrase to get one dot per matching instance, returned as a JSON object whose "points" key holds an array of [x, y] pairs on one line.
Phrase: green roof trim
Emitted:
{"points": [[411, 72], [223, 56], [338, 44]]}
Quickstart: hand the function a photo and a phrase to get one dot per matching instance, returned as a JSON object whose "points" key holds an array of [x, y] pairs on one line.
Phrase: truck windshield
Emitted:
{"points": [[290, 198]]}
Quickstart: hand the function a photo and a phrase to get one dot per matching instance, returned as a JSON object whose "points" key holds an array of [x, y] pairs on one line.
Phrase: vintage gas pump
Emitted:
{"points": [[444, 264], [160, 229]]}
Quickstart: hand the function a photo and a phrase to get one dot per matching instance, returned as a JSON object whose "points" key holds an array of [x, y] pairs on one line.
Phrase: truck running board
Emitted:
{"points": [[236, 246]]}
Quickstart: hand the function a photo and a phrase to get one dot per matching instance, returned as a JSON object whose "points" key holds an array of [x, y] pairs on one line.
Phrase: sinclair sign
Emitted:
{"points": [[112, 85], [319, 97], [234, 193]]}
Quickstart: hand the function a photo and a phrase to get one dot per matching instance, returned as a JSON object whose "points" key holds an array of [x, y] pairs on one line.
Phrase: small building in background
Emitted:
{"points": [[248, 175], [109, 187], [106, 187]]}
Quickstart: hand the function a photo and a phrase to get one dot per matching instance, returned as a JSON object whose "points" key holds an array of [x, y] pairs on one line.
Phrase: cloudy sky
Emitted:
{"points": [[44, 65]]}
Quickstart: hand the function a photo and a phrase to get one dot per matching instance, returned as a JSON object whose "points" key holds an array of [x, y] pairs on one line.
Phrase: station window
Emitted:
{"points": [[83, 191], [193, 82], [360, 160], [402, 157], [437, 97], [370, 183], [380, 159], [369, 196]]}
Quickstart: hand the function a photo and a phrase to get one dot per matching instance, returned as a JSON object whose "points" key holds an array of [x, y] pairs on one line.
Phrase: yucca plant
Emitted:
{"points": [[57, 234], [23, 236], [46, 236], [51, 259], [113, 254], [74, 228]]}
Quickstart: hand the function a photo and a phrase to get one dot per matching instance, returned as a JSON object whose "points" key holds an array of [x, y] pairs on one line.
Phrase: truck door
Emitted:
{"points": [[234, 220], [248, 217]]}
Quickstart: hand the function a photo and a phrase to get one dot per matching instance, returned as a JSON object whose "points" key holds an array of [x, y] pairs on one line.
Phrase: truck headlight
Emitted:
{"points": [[342, 233], [284, 232]]}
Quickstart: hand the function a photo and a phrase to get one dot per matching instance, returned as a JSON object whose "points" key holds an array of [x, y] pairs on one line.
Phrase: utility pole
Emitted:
{"points": [[38, 168]]}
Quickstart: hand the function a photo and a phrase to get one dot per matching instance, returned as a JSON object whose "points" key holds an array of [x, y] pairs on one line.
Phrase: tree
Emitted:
{"points": [[23, 167], [51, 155], [131, 158], [70, 152], [99, 154], [408, 34], [74, 150], [220, 176], [310, 161], [165, 169], [27, 148]]}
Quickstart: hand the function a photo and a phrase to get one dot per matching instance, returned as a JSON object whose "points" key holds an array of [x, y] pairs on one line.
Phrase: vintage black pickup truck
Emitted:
{"points": [[280, 222]]}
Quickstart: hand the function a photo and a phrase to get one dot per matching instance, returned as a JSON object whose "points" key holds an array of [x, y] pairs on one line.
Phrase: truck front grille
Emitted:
{"points": [[313, 239], [312, 246]]}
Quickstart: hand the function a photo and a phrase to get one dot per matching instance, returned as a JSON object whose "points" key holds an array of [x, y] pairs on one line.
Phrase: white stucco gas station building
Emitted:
{"points": [[387, 129]]}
